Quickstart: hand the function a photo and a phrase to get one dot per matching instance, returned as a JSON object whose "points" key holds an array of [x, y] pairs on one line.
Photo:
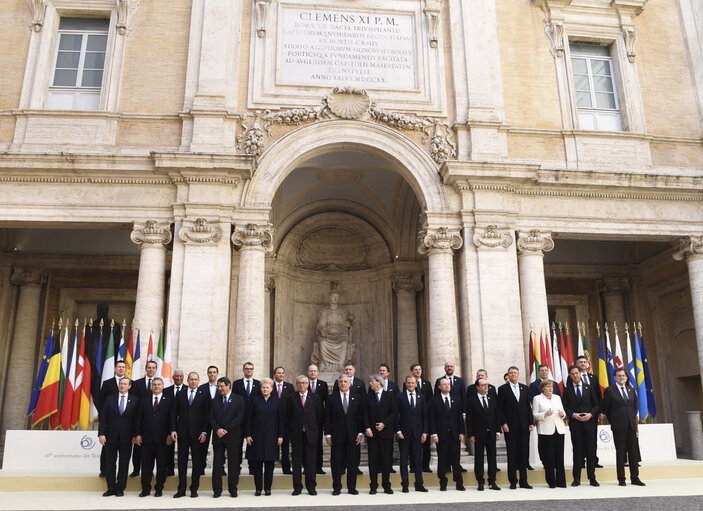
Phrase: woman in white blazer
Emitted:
{"points": [[549, 417]]}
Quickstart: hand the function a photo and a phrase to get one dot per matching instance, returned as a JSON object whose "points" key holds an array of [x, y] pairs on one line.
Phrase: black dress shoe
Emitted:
{"points": [[144, 493], [427, 470], [593, 482], [158, 493], [463, 469], [529, 467], [551, 485], [216, 494], [637, 482], [388, 491], [170, 473], [404, 489], [575, 483], [233, 494], [102, 474], [267, 493], [134, 474], [353, 492], [497, 469], [443, 487], [358, 472], [513, 486], [119, 493], [257, 493], [193, 494], [179, 494], [480, 487], [460, 487], [108, 493], [287, 471], [296, 492], [598, 465], [336, 492], [320, 471], [494, 486], [393, 470], [372, 491], [312, 492], [526, 486], [421, 489], [622, 483]]}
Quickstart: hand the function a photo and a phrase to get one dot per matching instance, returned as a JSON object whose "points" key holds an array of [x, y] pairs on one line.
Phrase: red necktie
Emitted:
{"points": [[156, 403]]}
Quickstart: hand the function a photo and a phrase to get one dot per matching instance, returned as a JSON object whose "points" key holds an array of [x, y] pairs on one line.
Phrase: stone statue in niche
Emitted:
{"points": [[333, 347]]}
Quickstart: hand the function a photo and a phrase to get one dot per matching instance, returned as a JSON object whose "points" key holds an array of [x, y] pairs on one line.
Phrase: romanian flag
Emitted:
{"points": [[602, 367], [48, 400], [41, 374]]}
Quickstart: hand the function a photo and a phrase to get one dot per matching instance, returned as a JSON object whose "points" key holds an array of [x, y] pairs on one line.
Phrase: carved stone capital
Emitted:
{"points": [[630, 35], [439, 239], [200, 232], [688, 248], [613, 285], [28, 276], [492, 236], [408, 283], [38, 8], [534, 241], [125, 11], [254, 235], [269, 284], [151, 233]]}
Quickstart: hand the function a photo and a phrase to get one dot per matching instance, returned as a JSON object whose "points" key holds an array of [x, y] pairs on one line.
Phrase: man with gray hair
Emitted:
{"points": [[379, 423], [304, 416]]}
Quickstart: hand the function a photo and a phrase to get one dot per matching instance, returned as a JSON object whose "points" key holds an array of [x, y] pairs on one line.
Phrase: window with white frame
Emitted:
{"points": [[77, 76], [594, 87]]}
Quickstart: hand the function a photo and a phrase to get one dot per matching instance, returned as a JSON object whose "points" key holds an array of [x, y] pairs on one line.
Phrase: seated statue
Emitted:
{"points": [[333, 348]]}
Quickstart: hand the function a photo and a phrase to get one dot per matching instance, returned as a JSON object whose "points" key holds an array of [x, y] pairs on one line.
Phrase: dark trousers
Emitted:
{"points": [[303, 456], [153, 453], [319, 453], [186, 445], [112, 450], [551, 452], [411, 450], [380, 459], [518, 447], [583, 445], [218, 462], [263, 474], [285, 453], [205, 447], [136, 458], [485, 443], [170, 459], [448, 455], [626, 446], [344, 457]]}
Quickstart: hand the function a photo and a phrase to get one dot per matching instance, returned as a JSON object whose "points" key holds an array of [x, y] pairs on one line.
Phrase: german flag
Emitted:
{"points": [[48, 402]]}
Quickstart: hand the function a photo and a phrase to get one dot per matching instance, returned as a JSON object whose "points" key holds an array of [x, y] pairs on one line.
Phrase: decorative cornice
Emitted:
{"points": [[407, 282], [85, 180], [151, 233], [22, 276], [254, 236], [345, 103], [534, 242], [200, 232], [38, 8], [439, 239], [492, 236], [614, 285], [688, 248], [125, 12]]}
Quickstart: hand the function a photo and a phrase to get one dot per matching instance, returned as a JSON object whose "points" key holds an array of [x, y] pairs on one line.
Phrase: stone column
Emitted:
{"points": [[613, 289], [531, 246], [152, 239], [690, 249], [254, 241], [269, 297], [439, 244], [406, 287], [23, 352]]}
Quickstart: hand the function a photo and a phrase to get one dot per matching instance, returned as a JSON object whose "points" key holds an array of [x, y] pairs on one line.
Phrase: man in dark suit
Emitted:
{"points": [[246, 387], [481, 374], [227, 413], [142, 388], [423, 388], [581, 408], [319, 388], [304, 417], [110, 388], [190, 423], [355, 384], [620, 406], [483, 429], [588, 378], [514, 402], [116, 433], [447, 432], [281, 389], [209, 387], [152, 434], [344, 426], [173, 390], [456, 386], [412, 432], [535, 388], [379, 421]]}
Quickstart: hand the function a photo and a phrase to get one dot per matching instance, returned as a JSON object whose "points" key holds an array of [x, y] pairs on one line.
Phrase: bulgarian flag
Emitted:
{"points": [[167, 369], [48, 400], [70, 385]]}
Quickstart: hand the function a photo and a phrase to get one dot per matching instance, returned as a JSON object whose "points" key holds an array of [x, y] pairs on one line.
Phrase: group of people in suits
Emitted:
{"points": [[278, 420]]}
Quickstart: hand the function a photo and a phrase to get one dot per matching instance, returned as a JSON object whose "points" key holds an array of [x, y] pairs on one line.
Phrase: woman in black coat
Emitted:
{"points": [[264, 433]]}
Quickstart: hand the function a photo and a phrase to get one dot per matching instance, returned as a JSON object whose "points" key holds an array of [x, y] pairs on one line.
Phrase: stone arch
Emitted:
{"points": [[406, 158]]}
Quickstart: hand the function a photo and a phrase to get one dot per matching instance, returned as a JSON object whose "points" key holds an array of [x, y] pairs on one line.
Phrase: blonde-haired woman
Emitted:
{"points": [[549, 417]]}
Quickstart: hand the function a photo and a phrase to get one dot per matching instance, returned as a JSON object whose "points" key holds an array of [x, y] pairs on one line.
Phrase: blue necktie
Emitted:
{"points": [[412, 401], [224, 403], [190, 399], [122, 406], [578, 392], [378, 398], [248, 388]]}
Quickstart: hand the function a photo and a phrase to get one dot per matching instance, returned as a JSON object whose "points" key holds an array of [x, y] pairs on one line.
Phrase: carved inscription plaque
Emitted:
{"points": [[325, 47]]}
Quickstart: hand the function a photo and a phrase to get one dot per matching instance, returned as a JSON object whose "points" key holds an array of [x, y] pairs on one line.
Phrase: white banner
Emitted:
{"points": [[52, 452]]}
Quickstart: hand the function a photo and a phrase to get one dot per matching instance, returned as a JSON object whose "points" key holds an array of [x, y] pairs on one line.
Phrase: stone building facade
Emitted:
{"points": [[462, 170]]}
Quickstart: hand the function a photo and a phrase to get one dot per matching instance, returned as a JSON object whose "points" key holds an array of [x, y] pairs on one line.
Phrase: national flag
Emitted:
{"points": [[68, 392], [48, 400], [556, 374], [569, 350], [129, 354], [109, 364], [150, 349], [602, 367], [99, 354], [55, 421], [549, 352], [640, 383], [96, 366], [609, 358], [41, 374], [542, 349], [78, 384], [618, 360], [121, 347], [167, 369], [137, 362], [87, 411], [630, 360], [586, 352], [564, 363], [651, 405], [531, 349], [159, 358]]}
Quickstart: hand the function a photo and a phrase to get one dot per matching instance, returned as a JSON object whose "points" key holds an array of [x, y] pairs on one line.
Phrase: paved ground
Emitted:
{"points": [[668, 494]]}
